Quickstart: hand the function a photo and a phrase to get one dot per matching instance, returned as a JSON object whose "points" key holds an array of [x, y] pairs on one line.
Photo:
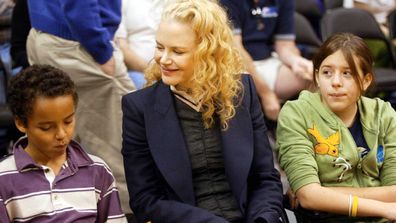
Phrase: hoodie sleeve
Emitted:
{"points": [[295, 153]]}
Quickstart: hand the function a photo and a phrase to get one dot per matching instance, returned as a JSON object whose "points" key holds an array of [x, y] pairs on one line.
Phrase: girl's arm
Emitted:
{"points": [[315, 197]]}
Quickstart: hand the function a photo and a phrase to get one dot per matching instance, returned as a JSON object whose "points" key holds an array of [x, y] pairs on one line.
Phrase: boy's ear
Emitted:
{"points": [[20, 125]]}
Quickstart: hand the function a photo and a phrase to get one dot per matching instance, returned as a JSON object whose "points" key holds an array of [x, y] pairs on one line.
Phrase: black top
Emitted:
{"points": [[357, 134], [211, 188]]}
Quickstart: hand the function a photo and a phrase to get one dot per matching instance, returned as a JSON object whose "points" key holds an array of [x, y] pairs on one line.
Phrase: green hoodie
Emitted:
{"points": [[314, 145]]}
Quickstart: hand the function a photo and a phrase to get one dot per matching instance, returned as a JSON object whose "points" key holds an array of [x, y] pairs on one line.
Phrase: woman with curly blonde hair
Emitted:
{"points": [[194, 142]]}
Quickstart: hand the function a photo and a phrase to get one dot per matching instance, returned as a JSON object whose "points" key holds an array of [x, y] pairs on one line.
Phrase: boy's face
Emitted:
{"points": [[50, 127]]}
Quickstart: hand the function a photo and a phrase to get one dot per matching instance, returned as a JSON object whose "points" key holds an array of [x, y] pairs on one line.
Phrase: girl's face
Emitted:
{"points": [[339, 90], [176, 44]]}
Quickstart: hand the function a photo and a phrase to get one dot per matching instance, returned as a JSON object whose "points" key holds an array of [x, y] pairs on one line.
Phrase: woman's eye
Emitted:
{"points": [[179, 52]]}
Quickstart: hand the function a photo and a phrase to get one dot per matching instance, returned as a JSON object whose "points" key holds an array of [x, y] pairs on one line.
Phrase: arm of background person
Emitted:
{"points": [[85, 22], [131, 58], [289, 54]]}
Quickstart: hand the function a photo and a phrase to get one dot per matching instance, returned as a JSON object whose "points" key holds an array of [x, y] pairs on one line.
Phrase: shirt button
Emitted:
{"points": [[46, 170], [55, 197]]}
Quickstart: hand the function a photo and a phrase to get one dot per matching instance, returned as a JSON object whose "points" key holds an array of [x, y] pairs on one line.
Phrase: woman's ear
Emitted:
{"points": [[368, 78], [20, 125]]}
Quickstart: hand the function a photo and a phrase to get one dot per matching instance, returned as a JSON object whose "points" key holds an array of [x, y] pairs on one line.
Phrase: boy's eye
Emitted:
{"points": [[45, 128]]}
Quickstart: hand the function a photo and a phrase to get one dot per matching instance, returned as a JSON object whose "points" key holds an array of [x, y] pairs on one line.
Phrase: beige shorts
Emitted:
{"points": [[268, 69]]}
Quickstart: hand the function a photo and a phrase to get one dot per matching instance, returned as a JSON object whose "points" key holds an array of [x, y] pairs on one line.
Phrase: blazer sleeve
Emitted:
{"points": [[148, 199], [265, 194]]}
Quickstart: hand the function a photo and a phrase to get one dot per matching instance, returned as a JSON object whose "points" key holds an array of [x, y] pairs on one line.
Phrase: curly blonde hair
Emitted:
{"points": [[218, 64]]}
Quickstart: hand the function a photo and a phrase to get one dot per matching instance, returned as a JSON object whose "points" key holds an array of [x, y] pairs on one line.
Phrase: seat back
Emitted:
{"points": [[306, 38], [309, 8], [358, 22], [332, 4], [391, 19]]}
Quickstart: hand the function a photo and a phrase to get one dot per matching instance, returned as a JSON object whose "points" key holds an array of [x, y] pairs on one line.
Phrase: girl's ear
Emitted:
{"points": [[368, 78], [20, 125]]}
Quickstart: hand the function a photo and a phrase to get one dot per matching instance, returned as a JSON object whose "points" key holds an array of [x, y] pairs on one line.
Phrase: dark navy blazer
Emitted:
{"points": [[158, 169]]}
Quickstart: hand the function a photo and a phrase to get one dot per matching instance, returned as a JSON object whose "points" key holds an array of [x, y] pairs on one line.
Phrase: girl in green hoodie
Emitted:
{"points": [[337, 147]]}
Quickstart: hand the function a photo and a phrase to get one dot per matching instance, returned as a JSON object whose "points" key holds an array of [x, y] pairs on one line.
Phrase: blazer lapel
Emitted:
{"points": [[168, 146], [238, 151]]}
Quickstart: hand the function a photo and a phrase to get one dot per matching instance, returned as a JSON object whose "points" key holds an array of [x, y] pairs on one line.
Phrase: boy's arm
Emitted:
{"points": [[3, 212], [109, 207]]}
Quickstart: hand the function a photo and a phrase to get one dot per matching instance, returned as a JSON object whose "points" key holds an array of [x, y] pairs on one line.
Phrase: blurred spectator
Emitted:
{"points": [[20, 29], [379, 8], [77, 36], [136, 35], [264, 34], [6, 7]]}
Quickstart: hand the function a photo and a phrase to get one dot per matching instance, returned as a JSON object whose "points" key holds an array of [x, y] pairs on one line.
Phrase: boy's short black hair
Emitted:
{"points": [[35, 81]]}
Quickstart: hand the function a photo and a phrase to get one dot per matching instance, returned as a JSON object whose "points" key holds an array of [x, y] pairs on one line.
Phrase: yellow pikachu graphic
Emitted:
{"points": [[325, 146]]}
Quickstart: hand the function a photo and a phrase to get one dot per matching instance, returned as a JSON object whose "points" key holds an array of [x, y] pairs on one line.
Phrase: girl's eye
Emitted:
{"points": [[347, 74], [326, 73]]}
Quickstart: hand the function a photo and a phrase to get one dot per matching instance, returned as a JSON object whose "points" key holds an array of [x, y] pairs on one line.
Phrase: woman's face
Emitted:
{"points": [[176, 44], [339, 90]]}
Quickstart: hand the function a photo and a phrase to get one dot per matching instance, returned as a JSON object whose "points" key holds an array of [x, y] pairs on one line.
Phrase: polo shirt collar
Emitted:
{"points": [[76, 156]]}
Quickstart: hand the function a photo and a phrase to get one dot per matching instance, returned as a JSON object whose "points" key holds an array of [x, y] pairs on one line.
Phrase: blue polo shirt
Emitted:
{"points": [[262, 23]]}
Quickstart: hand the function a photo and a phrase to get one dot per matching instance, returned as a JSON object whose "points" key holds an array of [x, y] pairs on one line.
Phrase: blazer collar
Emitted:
{"points": [[171, 155]]}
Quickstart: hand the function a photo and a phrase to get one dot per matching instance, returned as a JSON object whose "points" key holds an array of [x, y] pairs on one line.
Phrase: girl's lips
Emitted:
{"points": [[337, 94]]}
